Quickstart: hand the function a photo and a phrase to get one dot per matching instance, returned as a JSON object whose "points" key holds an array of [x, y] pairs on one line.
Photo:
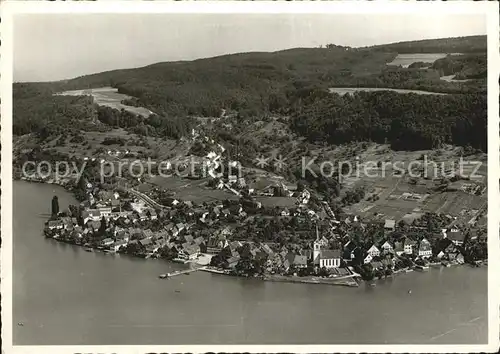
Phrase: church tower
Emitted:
{"points": [[317, 247]]}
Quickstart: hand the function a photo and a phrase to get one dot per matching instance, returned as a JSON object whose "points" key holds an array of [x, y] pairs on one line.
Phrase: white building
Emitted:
{"points": [[373, 251]]}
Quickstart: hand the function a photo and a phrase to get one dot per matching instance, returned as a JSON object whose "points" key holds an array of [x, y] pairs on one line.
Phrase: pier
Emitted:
{"points": [[180, 272]]}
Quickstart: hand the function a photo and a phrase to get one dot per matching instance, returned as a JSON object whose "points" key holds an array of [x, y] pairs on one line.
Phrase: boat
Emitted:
{"points": [[409, 291], [421, 267], [20, 324], [163, 276], [177, 291], [88, 249]]}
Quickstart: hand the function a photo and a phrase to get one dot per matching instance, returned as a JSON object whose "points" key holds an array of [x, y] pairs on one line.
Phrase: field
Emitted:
{"points": [[188, 189], [108, 96], [406, 60], [402, 197], [449, 78], [164, 148], [284, 202], [344, 90]]}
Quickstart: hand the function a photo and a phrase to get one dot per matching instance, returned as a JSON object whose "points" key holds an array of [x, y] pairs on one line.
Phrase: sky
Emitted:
{"points": [[51, 47]]}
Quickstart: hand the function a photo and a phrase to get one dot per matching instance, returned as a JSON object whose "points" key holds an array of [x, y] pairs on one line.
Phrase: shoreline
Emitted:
{"points": [[352, 280]]}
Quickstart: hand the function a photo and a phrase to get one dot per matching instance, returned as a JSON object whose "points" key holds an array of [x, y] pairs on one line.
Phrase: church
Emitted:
{"points": [[323, 257]]}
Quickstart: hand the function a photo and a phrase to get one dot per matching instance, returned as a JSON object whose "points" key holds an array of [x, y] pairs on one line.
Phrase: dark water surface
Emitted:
{"points": [[65, 295]]}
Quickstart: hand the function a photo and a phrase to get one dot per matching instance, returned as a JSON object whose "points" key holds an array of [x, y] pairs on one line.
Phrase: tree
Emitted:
{"points": [[55, 206], [102, 228]]}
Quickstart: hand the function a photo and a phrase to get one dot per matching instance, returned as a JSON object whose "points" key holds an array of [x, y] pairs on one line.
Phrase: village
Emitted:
{"points": [[241, 236]]}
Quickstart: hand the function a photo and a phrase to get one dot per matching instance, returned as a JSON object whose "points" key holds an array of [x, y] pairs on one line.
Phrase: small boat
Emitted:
{"points": [[177, 291], [421, 268], [88, 249], [163, 276], [20, 324], [409, 291]]}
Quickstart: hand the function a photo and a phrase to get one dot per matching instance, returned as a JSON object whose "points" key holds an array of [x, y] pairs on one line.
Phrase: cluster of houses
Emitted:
{"points": [[130, 229]]}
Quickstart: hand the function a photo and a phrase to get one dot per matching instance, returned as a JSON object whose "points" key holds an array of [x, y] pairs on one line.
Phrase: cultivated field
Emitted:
{"points": [[405, 60], [108, 96]]}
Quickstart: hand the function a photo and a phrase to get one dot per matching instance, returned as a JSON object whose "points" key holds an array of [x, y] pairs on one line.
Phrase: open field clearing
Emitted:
{"points": [[351, 90], [108, 96], [284, 202], [194, 190], [405, 60]]}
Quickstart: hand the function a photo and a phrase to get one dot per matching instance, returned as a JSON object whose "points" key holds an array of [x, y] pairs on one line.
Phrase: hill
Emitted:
{"points": [[469, 44], [287, 83]]}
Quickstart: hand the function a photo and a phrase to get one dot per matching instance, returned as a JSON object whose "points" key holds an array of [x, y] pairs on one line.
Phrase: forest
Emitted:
{"points": [[469, 44], [291, 83], [407, 121]]}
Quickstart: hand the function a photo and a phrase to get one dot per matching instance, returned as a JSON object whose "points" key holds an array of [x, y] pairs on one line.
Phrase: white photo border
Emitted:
{"points": [[490, 9]]}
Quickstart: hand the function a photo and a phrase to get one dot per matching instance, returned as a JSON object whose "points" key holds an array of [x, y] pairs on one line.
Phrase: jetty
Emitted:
{"points": [[179, 272]]}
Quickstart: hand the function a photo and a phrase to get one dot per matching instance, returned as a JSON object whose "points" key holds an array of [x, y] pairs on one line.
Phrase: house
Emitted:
{"points": [[153, 248], [152, 214], [162, 236], [456, 236], [300, 261], [232, 179], [424, 249], [107, 242], [235, 209], [373, 251], [122, 235], [66, 222], [348, 253], [119, 244], [136, 233], [115, 204], [55, 224], [189, 252], [105, 211], [132, 217], [231, 262], [387, 247], [451, 248], [94, 225], [265, 247], [148, 234], [91, 215], [390, 225], [399, 248], [368, 258], [408, 246], [188, 239], [180, 226], [216, 244], [145, 241], [199, 240], [285, 212], [216, 211]]}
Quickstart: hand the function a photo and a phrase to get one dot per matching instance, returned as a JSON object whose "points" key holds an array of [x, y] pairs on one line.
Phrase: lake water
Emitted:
{"points": [[351, 90], [406, 60], [109, 96], [65, 295]]}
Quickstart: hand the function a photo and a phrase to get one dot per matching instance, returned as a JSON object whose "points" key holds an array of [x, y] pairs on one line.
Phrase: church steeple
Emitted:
{"points": [[316, 247]]}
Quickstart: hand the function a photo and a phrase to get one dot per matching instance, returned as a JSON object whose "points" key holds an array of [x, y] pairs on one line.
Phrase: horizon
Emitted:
{"points": [[110, 45]]}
